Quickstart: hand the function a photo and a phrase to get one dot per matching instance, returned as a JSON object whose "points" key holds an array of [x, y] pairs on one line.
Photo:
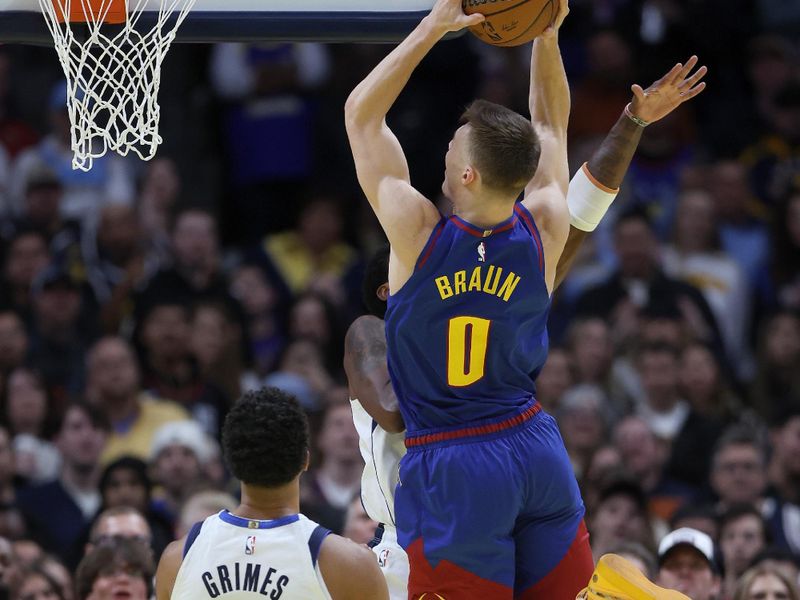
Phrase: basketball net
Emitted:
{"points": [[113, 68]]}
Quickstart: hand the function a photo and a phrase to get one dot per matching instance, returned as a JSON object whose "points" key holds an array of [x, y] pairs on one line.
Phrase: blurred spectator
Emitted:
{"points": [[125, 484], [644, 457], [779, 559], [357, 524], [639, 281], [641, 557], [695, 257], [58, 512], [313, 316], [691, 434], [701, 517], [620, 515], [159, 193], [778, 378], [196, 273], [201, 505], [13, 343], [742, 535], [169, 369], [178, 456], [36, 584], [63, 328], [15, 133], [216, 345], [109, 181], [121, 570], [706, 387], [743, 235], [269, 90], [10, 525], [686, 563], [264, 328], [782, 509], [327, 490], [739, 468], [113, 387], [313, 256], [554, 379], [784, 271], [58, 573], [582, 419], [27, 255], [117, 523], [301, 371], [6, 566], [28, 414], [767, 583]]}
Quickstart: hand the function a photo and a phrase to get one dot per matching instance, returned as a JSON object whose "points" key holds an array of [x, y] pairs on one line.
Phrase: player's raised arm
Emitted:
{"points": [[549, 103], [406, 216], [367, 373], [595, 185]]}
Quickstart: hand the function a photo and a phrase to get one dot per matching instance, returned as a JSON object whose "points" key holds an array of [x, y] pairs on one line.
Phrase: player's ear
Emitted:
{"points": [[307, 461], [383, 292], [469, 176]]}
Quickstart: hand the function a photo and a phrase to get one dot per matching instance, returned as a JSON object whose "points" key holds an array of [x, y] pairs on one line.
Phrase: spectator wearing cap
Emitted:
{"points": [[782, 509], [686, 563], [63, 328], [582, 419], [58, 512], [113, 386], [739, 468], [109, 180], [178, 457], [619, 515], [742, 535]]}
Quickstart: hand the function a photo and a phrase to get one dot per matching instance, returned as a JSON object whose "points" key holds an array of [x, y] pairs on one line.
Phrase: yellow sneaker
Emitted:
{"points": [[615, 578]]}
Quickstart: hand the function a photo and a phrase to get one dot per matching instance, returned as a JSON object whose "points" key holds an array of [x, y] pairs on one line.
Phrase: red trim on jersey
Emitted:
{"points": [[426, 253], [537, 240], [569, 576], [442, 436], [448, 581]]}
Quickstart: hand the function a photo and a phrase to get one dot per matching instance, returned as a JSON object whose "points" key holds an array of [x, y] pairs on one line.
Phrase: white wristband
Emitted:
{"points": [[588, 200]]}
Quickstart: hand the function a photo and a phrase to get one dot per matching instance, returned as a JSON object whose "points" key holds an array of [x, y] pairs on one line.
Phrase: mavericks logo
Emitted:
{"points": [[431, 596]]}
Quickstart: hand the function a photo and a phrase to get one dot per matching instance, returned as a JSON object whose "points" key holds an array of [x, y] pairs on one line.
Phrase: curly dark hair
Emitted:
{"points": [[376, 273], [265, 438]]}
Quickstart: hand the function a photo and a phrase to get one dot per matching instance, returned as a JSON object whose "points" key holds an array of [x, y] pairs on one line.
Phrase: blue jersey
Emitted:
{"points": [[467, 334]]}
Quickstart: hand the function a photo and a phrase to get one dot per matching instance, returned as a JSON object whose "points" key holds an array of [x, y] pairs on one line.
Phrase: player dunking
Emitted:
{"points": [[265, 548], [487, 505]]}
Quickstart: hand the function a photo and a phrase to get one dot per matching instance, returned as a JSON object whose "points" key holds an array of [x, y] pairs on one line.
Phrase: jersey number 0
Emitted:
{"points": [[467, 338]]}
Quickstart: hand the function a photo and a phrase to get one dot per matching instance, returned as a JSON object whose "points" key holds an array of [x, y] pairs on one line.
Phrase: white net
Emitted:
{"points": [[113, 73]]}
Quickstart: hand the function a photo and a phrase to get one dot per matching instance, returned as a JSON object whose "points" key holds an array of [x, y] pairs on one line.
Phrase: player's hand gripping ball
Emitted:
{"points": [[511, 22]]}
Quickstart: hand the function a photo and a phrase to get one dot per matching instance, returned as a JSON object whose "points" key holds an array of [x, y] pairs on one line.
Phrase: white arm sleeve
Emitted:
{"points": [[588, 200]]}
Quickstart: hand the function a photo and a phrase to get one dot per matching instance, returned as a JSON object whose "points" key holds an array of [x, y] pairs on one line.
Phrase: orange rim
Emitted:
{"points": [[83, 11]]}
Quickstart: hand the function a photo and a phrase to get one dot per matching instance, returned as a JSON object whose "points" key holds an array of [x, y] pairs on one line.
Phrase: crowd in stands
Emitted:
{"points": [[139, 300]]}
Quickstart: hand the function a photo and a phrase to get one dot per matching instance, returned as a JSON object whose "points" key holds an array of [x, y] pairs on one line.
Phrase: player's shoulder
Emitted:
{"points": [[350, 570], [168, 566]]}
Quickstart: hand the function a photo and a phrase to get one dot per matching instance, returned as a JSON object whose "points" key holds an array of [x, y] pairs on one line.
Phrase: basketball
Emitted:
{"points": [[510, 22]]}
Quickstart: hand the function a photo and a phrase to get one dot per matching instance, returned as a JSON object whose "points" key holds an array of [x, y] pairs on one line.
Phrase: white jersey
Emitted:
{"points": [[235, 558], [381, 452]]}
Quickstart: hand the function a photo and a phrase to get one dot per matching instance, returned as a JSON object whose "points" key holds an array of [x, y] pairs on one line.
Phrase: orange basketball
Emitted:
{"points": [[510, 22]]}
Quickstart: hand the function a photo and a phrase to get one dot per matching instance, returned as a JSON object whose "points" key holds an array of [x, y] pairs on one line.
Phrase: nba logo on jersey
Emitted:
{"points": [[383, 557], [481, 252], [250, 545]]}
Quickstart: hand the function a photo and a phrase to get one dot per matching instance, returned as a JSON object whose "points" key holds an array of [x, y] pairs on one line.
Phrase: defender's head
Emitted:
{"points": [[495, 148], [265, 438], [375, 285]]}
